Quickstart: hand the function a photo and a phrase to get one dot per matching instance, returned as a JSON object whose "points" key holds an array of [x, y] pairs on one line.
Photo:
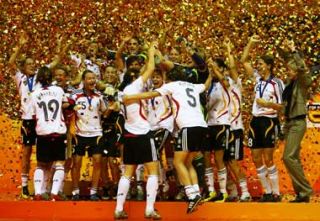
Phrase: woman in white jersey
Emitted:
{"points": [[190, 121], [47, 103], [139, 145], [264, 125], [25, 78]]}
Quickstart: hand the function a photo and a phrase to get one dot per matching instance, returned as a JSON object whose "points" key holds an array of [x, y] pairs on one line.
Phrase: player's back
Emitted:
{"points": [[47, 106]]}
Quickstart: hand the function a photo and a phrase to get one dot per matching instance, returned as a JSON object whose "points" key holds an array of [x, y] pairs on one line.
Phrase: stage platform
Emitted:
{"points": [[103, 211]]}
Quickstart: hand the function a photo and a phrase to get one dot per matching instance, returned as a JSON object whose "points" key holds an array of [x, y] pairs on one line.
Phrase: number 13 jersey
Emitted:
{"points": [[186, 101], [47, 108]]}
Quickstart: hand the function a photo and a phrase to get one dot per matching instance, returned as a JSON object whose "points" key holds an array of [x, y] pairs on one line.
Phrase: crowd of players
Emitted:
{"points": [[138, 104]]}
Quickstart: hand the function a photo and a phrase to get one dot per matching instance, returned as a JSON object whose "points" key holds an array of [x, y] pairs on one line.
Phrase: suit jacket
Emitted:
{"points": [[300, 87]]}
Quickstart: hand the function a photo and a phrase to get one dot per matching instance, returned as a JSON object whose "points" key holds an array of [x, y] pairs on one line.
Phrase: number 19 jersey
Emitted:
{"points": [[186, 100], [47, 108]]}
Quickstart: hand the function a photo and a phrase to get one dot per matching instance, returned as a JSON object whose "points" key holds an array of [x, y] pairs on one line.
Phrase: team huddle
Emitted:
{"points": [[139, 104]]}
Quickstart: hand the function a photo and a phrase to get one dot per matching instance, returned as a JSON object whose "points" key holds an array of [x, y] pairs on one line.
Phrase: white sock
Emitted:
{"points": [[152, 188], [209, 179], [24, 179], [262, 174], [196, 189], [274, 178], [76, 191], [190, 192], [123, 188], [38, 180], [57, 179], [222, 178], [244, 187], [93, 190]]}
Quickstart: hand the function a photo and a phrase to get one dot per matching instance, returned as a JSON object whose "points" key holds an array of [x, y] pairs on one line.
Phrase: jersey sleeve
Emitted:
{"points": [[200, 88]]}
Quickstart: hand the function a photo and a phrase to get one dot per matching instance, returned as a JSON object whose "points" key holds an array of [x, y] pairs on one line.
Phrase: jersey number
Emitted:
{"points": [[52, 106], [192, 100]]}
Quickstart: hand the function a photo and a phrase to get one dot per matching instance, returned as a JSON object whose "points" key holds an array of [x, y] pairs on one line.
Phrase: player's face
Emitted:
{"points": [[133, 46], [135, 65], [92, 50], [157, 80], [110, 75], [89, 81], [60, 77], [263, 68], [29, 67], [174, 55]]}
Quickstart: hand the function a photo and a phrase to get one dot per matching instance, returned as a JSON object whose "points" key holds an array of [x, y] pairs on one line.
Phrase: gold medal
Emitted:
{"points": [[77, 107], [29, 93], [90, 108]]}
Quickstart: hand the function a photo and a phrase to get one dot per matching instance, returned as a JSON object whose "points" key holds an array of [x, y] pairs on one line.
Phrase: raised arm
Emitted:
{"points": [[233, 69], [216, 73], [129, 99], [147, 73], [244, 59], [120, 65], [22, 41], [61, 52]]}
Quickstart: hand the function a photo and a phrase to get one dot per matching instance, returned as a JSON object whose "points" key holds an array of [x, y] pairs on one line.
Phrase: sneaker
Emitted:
{"points": [[300, 199], [62, 196], [267, 197], [45, 196], [140, 195], [37, 197], [152, 215], [220, 198], [105, 194], [210, 196], [94, 197], [120, 215], [276, 198], [55, 197], [24, 193], [193, 204], [75, 197], [245, 198]]}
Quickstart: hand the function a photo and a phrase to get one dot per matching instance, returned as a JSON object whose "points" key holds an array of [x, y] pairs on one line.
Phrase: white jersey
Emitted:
{"points": [[136, 113], [185, 97], [235, 104], [26, 85], [160, 113], [88, 113], [218, 102], [47, 108], [270, 90]]}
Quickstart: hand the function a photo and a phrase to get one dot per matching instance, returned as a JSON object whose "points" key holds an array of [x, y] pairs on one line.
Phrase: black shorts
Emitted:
{"points": [[109, 143], [91, 144], [191, 139], [160, 138], [139, 149], [263, 132], [51, 148], [218, 138], [28, 132], [235, 147]]}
